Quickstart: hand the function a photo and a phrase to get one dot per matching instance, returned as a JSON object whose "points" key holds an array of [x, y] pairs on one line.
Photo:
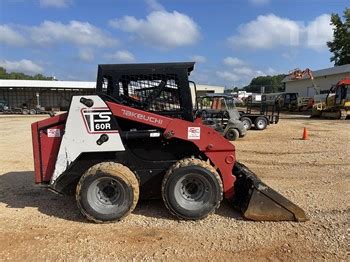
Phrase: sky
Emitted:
{"points": [[230, 41]]}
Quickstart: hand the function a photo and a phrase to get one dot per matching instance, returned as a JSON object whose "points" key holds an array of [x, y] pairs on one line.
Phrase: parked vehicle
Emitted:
{"points": [[23, 110], [3, 105], [289, 101], [337, 103], [218, 112], [259, 116]]}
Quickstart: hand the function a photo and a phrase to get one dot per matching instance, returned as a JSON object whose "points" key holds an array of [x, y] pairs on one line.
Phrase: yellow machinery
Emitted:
{"points": [[337, 104]]}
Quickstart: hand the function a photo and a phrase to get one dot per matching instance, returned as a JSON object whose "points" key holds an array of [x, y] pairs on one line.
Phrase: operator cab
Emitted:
{"points": [[213, 101], [217, 106], [340, 93], [162, 88]]}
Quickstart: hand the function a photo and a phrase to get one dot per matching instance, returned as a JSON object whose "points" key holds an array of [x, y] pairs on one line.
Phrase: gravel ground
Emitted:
{"points": [[36, 224]]}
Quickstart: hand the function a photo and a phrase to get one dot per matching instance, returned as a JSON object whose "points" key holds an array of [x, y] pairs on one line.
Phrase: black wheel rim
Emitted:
{"points": [[107, 195], [192, 191]]}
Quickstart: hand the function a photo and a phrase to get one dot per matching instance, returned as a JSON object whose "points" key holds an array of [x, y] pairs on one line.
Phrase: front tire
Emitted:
{"points": [[232, 134], [107, 192], [192, 189]]}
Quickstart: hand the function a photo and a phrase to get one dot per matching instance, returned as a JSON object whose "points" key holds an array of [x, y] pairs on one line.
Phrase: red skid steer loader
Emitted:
{"points": [[137, 137]]}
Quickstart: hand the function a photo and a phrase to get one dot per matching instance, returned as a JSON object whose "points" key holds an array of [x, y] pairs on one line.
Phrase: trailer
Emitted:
{"points": [[259, 115]]}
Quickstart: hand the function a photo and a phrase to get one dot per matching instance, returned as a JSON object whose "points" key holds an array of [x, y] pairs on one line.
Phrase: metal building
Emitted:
{"points": [[57, 94], [48, 94], [324, 80]]}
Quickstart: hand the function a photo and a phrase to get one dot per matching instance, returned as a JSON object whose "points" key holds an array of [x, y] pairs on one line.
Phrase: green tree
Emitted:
{"points": [[272, 84], [22, 76], [340, 46], [2, 73]]}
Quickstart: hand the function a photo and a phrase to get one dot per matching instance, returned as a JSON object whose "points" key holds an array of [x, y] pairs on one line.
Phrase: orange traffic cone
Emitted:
{"points": [[305, 134]]}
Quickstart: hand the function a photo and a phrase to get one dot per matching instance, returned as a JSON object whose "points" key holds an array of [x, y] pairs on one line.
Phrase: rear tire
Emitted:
{"points": [[107, 192], [232, 134], [247, 122], [192, 189], [260, 123]]}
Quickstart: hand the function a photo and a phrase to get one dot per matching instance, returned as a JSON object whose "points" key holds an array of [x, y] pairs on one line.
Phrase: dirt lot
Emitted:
{"points": [[36, 224]]}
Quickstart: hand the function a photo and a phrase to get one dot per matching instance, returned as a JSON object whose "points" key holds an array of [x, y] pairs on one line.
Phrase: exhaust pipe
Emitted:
{"points": [[259, 202]]}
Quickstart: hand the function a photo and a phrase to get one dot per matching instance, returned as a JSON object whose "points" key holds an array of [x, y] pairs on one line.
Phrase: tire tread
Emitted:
{"points": [[112, 168], [185, 163]]}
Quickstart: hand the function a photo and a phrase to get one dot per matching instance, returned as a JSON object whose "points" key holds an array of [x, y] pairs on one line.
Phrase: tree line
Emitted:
{"points": [[21, 76], [340, 45]]}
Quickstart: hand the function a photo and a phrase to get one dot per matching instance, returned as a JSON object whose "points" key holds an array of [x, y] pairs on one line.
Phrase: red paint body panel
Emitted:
{"points": [[45, 149], [216, 147], [49, 151], [36, 152]]}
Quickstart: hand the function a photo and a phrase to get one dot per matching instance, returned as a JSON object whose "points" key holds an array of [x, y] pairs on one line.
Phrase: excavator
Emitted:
{"points": [[297, 74], [138, 136], [303, 103], [337, 104]]}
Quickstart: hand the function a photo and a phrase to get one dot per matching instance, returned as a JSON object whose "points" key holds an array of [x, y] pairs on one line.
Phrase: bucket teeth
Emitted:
{"points": [[257, 201]]}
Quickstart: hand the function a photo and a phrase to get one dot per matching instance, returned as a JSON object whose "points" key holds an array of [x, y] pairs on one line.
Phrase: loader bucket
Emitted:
{"points": [[259, 202]]}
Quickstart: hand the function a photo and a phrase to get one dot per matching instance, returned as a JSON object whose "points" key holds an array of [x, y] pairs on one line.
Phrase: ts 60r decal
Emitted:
{"points": [[99, 120]]}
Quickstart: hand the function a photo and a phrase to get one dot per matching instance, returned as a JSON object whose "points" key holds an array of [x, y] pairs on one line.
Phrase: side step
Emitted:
{"points": [[259, 202]]}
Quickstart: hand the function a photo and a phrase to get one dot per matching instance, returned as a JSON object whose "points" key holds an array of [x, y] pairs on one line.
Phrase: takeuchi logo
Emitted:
{"points": [[140, 116]]}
